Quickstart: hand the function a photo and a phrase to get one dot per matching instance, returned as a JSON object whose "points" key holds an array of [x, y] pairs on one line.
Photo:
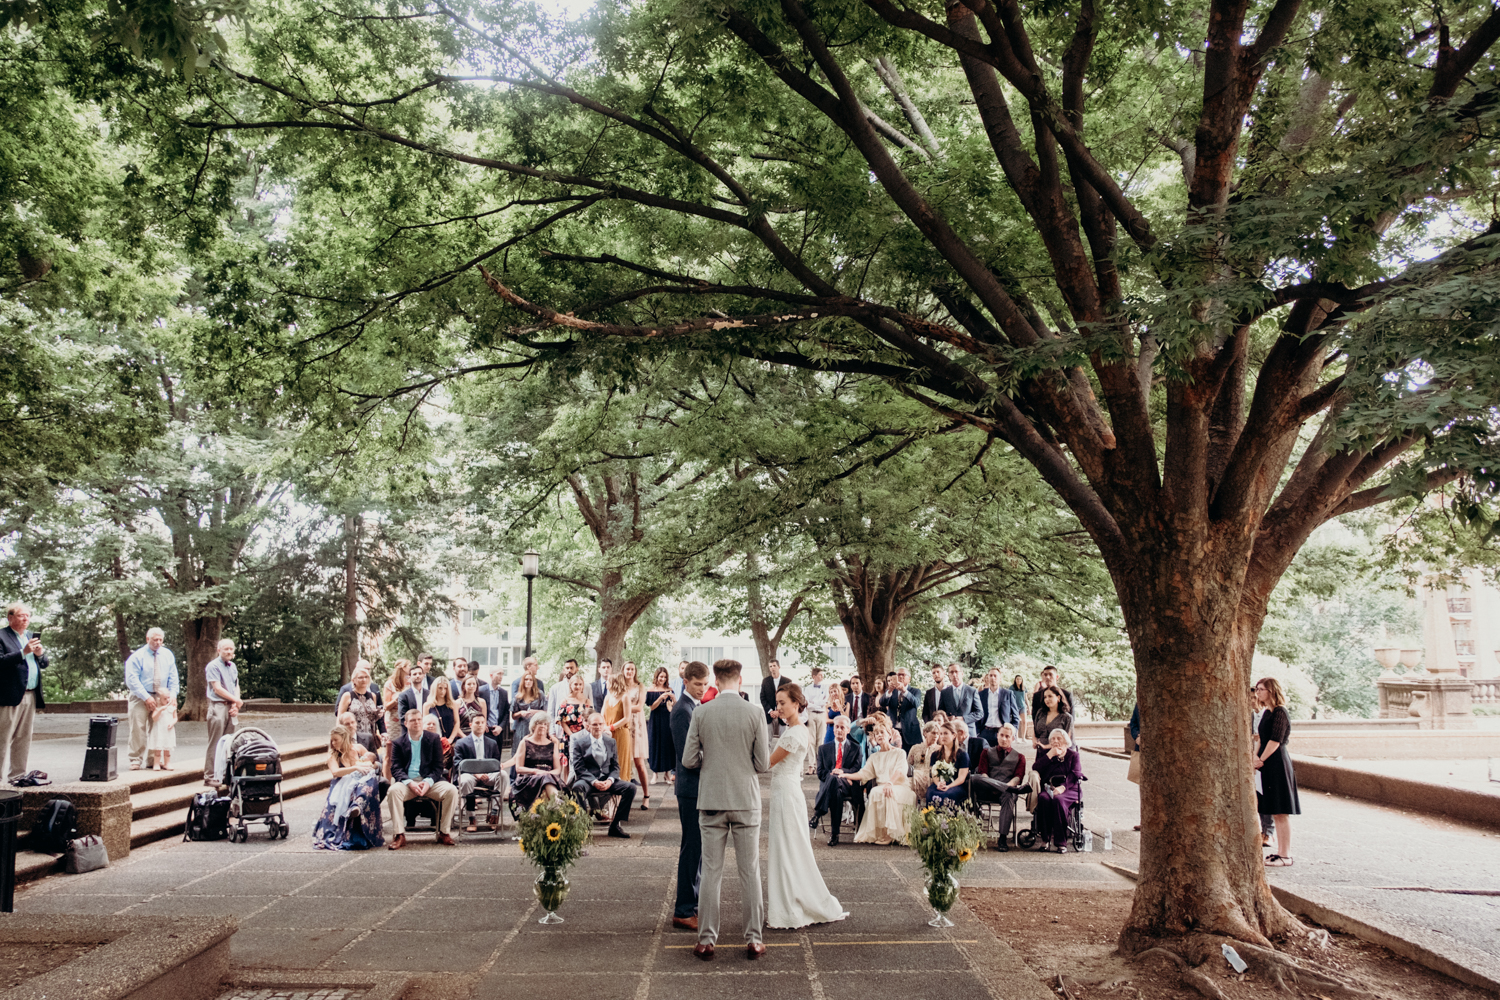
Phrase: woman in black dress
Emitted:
{"points": [[538, 764], [659, 701], [1277, 796]]}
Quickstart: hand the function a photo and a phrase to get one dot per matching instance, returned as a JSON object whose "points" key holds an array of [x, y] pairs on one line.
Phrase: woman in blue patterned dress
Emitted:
{"points": [[351, 816]]}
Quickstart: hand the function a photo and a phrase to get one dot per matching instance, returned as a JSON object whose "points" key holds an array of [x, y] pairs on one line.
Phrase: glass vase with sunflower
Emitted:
{"points": [[945, 839], [553, 833]]}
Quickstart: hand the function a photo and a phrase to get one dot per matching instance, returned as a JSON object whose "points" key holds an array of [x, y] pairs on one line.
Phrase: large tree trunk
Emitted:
{"points": [[767, 640], [352, 523], [122, 634], [873, 645], [618, 614], [200, 644]]}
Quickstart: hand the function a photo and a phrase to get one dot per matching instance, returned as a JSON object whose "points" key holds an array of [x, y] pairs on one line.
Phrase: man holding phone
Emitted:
{"points": [[21, 666]]}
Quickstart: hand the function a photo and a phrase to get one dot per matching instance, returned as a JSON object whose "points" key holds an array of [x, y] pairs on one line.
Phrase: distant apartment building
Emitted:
{"points": [[1470, 609]]}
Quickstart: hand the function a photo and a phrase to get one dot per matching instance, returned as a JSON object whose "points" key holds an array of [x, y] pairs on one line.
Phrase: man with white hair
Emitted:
{"points": [[224, 703], [151, 682], [21, 664]]}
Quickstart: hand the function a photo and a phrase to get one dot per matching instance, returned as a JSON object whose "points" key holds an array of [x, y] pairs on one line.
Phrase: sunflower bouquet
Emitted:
{"points": [[554, 831], [945, 839]]}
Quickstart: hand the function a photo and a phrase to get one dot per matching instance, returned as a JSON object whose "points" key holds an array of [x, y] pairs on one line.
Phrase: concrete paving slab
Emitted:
{"points": [[416, 951], [425, 914], [279, 948], [248, 881], [885, 984], [172, 905], [373, 884], [731, 975], [89, 905], [328, 912], [909, 954]]}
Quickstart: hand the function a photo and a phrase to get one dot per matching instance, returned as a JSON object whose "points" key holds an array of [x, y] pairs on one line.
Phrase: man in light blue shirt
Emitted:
{"points": [[21, 664], [150, 682], [224, 703]]}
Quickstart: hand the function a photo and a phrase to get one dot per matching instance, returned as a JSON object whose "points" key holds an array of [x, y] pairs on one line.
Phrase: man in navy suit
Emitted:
{"points": [[417, 773], [21, 664], [836, 760], [685, 787], [600, 686], [996, 708], [498, 697]]}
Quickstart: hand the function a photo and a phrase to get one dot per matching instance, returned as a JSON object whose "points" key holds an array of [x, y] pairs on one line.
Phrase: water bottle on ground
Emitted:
{"points": [[1088, 840], [1109, 840]]}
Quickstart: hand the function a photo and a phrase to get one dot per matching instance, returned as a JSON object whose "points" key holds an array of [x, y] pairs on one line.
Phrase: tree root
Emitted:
{"points": [[1280, 969]]}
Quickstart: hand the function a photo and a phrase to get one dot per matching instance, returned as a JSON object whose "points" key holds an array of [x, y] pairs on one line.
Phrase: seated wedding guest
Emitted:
{"points": [[999, 777], [528, 705], [362, 700], [464, 750], [1053, 715], [417, 772], [968, 741], [596, 771], [836, 758], [950, 750], [538, 764], [574, 710], [441, 704], [1059, 771], [919, 758], [351, 817], [884, 773]]}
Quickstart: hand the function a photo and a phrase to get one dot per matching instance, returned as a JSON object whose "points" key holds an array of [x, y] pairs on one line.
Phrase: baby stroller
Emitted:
{"points": [[1028, 838], [254, 767]]}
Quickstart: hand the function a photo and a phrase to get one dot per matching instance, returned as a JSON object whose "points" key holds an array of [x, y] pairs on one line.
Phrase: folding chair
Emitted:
{"points": [[489, 794]]}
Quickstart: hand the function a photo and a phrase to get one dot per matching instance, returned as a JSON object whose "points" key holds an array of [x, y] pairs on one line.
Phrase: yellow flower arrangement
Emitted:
{"points": [[965, 856], [554, 831], [945, 839]]}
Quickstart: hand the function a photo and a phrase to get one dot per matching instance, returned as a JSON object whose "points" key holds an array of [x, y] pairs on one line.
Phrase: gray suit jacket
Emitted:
{"points": [[968, 707], [585, 767], [728, 743]]}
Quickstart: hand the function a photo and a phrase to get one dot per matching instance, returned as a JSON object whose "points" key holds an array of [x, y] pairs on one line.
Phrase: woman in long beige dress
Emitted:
{"points": [[640, 739], [617, 710], [885, 816]]}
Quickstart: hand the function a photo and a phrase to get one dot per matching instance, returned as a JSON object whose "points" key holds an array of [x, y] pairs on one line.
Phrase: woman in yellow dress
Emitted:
{"points": [[618, 707], [885, 816]]}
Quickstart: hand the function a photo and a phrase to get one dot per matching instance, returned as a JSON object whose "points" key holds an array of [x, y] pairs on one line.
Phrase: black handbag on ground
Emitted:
{"points": [[55, 825]]}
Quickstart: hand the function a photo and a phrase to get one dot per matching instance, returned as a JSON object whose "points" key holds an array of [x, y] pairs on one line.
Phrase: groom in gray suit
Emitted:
{"points": [[727, 742]]}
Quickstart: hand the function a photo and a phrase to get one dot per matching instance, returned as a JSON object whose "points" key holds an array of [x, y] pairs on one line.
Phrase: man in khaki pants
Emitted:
{"points": [[151, 680], [21, 664], [416, 772], [224, 703]]}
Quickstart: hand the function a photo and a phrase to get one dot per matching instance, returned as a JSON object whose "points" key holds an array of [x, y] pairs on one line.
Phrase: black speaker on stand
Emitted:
{"points": [[101, 760]]}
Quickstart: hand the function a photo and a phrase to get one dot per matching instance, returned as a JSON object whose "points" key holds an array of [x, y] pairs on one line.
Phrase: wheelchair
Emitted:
{"points": [[1029, 837]]}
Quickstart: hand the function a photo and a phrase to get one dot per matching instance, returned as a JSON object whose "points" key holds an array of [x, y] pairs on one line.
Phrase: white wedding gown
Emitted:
{"points": [[797, 894]]}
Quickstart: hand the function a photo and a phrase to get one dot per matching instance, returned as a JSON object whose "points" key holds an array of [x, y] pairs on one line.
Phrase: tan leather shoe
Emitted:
{"points": [[446, 840], [685, 923], [705, 952], [397, 842], [754, 951]]}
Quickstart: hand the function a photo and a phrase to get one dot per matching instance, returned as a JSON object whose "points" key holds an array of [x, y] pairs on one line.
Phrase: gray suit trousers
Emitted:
{"points": [[718, 828]]}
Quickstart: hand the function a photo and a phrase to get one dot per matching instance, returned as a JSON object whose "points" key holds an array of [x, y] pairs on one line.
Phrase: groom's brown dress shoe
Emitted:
{"points": [[705, 952], [685, 923], [754, 951]]}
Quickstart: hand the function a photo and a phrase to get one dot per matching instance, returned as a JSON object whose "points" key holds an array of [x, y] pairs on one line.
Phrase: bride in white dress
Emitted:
{"points": [[797, 894]]}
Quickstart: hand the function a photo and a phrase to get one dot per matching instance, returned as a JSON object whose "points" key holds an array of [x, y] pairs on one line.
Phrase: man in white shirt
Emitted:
{"points": [[151, 680], [817, 707], [224, 703]]}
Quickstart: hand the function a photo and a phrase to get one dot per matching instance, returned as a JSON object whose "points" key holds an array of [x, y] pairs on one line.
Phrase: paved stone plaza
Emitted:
{"points": [[462, 921]]}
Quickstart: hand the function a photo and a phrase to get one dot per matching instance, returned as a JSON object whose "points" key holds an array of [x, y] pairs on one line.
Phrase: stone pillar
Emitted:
{"points": [[103, 809]]}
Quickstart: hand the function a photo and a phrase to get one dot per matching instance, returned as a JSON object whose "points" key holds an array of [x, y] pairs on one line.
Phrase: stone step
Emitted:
{"points": [[170, 824], [175, 797]]}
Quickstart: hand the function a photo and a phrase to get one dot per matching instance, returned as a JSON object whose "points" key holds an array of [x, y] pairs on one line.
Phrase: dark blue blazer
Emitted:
{"points": [[1007, 708], [686, 785], [432, 757], [13, 669]]}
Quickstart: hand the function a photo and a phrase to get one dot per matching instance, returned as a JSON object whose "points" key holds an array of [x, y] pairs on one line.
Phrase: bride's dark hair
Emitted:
{"points": [[793, 691]]}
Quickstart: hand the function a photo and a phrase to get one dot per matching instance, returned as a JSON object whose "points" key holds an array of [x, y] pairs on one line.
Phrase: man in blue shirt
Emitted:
{"points": [[224, 703], [151, 682], [416, 759], [21, 666]]}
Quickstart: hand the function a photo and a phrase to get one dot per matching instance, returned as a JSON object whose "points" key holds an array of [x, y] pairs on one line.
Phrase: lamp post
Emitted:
{"points": [[530, 568]]}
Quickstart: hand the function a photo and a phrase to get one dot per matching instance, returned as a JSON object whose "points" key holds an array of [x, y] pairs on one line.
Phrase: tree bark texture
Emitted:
{"points": [[610, 501], [200, 644], [872, 603], [352, 525]]}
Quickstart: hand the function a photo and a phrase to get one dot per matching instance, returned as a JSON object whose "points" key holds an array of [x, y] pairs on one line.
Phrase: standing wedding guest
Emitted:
{"points": [[1053, 715], [939, 697], [417, 773], [440, 703], [617, 710], [573, 711], [598, 766], [498, 698], [531, 665], [999, 777], [528, 705], [661, 757], [890, 795], [484, 687], [796, 894], [859, 703], [418, 690], [558, 692], [677, 681], [1049, 679], [163, 737], [817, 706], [470, 705], [950, 750], [967, 699], [21, 664], [599, 689], [1059, 772], [690, 850], [1267, 821], [836, 710], [224, 703], [351, 816], [877, 691], [920, 758], [390, 695], [836, 759], [460, 668], [640, 741], [768, 686], [901, 702], [1017, 692], [478, 746], [1277, 797], [996, 708], [363, 702], [151, 680], [538, 763]]}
